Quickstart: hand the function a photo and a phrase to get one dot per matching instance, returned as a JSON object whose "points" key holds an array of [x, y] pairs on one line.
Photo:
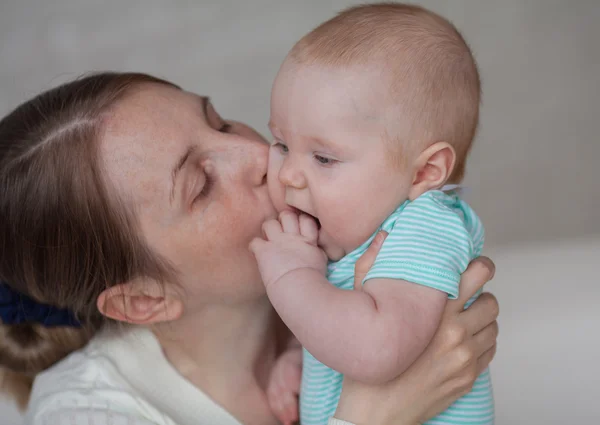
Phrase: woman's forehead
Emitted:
{"points": [[155, 117], [163, 107], [145, 133]]}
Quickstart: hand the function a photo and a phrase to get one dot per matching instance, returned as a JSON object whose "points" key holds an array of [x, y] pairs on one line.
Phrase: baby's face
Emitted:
{"points": [[329, 155]]}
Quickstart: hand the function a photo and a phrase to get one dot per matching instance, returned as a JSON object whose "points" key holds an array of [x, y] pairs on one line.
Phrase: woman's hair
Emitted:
{"points": [[65, 235]]}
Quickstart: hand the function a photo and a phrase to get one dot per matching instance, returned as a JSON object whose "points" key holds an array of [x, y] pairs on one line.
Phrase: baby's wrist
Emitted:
{"points": [[295, 275]]}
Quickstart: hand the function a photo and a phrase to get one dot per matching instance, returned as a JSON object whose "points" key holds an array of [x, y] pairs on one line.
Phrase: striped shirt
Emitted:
{"points": [[431, 242]]}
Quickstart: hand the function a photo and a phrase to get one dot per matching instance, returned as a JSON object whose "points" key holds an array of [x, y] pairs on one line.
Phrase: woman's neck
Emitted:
{"points": [[227, 351]]}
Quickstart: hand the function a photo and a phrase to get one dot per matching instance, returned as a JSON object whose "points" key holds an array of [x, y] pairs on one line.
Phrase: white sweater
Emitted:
{"points": [[120, 379]]}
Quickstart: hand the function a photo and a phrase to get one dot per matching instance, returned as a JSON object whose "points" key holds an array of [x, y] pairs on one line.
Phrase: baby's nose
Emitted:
{"points": [[291, 175]]}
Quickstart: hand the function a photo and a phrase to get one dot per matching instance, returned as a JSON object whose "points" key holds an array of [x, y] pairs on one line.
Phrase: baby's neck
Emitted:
{"points": [[227, 352]]}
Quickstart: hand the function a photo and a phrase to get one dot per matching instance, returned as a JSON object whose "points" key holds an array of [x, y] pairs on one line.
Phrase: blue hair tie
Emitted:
{"points": [[17, 308]]}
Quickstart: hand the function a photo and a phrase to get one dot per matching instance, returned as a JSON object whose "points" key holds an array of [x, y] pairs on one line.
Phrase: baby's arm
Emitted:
{"points": [[375, 333], [372, 335], [347, 330]]}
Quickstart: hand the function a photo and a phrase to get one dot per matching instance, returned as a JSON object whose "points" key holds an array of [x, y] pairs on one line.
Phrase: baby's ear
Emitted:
{"points": [[433, 168], [140, 302]]}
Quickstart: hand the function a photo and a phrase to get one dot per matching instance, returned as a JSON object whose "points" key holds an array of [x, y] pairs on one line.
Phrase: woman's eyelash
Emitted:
{"points": [[208, 183], [281, 146]]}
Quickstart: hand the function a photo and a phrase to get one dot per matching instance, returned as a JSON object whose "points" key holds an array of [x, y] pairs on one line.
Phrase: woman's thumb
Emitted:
{"points": [[365, 262]]}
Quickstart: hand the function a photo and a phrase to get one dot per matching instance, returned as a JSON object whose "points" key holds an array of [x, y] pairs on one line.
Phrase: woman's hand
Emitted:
{"points": [[462, 348]]}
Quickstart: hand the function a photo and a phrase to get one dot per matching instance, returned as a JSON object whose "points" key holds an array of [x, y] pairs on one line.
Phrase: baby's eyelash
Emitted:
{"points": [[323, 160]]}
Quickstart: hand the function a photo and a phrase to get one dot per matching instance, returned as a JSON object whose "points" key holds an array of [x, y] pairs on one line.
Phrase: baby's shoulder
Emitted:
{"points": [[433, 205], [437, 214]]}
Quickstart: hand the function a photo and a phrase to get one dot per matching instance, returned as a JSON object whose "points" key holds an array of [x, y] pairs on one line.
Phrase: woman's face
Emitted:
{"points": [[197, 184]]}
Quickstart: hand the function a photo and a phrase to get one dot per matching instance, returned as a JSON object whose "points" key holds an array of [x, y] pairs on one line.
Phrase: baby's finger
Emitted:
{"points": [[289, 222], [257, 245], [271, 228], [309, 229]]}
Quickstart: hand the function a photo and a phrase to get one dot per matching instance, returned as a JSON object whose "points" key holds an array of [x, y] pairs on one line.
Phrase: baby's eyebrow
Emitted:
{"points": [[325, 144]]}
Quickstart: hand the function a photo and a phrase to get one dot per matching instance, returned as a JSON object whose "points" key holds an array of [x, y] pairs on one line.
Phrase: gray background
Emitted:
{"points": [[531, 172]]}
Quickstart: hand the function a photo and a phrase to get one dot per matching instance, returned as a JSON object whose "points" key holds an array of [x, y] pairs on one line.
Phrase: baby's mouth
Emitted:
{"points": [[299, 211]]}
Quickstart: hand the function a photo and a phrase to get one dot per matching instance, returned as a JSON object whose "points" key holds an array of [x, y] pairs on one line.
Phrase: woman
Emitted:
{"points": [[126, 199]]}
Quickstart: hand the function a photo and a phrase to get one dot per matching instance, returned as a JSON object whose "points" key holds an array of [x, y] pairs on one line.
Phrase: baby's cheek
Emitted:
{"points": [[333, 251], [276, 189]]}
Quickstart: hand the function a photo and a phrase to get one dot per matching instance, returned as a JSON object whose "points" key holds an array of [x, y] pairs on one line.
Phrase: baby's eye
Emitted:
{"points": [[324, 160], [282, 147]]}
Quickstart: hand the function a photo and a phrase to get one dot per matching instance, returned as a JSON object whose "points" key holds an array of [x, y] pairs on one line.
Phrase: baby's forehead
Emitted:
{"points": [[362, 89], [372, 90]]}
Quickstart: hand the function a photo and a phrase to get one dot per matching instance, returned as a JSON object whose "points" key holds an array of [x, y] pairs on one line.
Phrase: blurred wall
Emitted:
{"points": [[531, 172]]}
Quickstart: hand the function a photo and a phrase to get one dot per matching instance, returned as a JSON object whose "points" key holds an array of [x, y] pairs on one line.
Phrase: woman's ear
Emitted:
{"points": [[140, 302], [433, 168]]}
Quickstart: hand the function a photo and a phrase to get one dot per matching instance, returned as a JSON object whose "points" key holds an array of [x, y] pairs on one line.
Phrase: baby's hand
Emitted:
{"points": [[284, 386], [290, 244]]}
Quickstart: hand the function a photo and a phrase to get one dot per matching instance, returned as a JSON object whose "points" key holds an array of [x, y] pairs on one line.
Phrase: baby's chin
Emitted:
{"points": [[333, 252]]}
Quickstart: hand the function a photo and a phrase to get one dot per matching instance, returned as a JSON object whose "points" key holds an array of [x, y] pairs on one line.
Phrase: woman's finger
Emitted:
{"points": [[480, 314], [485, 339], [309, 229], [485, 359], [365, 262], [289, 222], [479, 272], [271, 228]]}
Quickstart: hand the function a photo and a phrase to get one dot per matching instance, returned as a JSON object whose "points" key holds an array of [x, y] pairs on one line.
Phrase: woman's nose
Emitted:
{"points": [[254, 162], [290, 175]]}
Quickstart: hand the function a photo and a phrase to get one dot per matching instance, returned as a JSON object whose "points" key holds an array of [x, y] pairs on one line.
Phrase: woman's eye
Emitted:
{"points": [[324, 160], [208, 183], [225, 128], [283, 148]]}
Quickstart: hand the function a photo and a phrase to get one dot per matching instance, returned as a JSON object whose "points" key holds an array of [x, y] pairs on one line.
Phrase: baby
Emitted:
{"points": [[372, 114]]}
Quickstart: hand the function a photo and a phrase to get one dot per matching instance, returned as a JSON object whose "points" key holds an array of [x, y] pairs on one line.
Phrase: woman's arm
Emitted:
{"points": [[461, 349]]}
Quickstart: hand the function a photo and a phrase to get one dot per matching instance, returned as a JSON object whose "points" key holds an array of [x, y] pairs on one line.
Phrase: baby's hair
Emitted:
{"points": [[434, 76], [65, 235]]}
